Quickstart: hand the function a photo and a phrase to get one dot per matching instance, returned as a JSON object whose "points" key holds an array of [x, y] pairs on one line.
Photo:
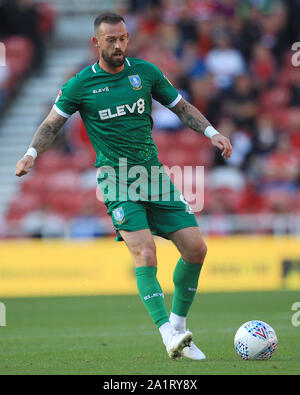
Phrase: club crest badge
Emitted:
{"points": [[135, 81], [119, 216]]}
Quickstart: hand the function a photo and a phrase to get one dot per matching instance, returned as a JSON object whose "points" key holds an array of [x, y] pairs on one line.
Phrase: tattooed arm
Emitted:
{"points": [[190, 116], [42, 139]]}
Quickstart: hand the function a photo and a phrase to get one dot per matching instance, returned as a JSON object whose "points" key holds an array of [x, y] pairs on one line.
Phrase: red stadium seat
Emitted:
{"points": [[276, 98], [81, 160], [53, 161], [34, 184], [22, 205], [185, 148], [65, 203], [163, 140], [189, 138], [47, 16], [63, 180], [19, 55], [91, 197]]}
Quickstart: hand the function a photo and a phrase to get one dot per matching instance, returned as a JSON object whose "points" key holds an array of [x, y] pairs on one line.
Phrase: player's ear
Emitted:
{"points": [[95, 42]]}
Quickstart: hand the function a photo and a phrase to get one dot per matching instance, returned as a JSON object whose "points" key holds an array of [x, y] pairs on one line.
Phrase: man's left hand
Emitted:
{"points": [[223, 143]]}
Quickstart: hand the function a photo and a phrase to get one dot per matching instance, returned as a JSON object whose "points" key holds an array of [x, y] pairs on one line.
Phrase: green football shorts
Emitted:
{"points": [[163, 211], [160, 218]]}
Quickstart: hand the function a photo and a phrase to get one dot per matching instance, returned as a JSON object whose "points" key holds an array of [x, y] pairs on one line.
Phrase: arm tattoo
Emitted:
{"points": [[47, 131], [190, 116]]}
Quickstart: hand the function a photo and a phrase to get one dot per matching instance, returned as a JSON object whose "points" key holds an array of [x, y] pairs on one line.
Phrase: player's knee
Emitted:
{"points": [[146, 256], [203, 250], [198, 252]]}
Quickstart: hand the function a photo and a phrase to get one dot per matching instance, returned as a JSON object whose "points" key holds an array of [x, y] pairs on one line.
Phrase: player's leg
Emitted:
{"points": [[142, 247], [193, 249]]}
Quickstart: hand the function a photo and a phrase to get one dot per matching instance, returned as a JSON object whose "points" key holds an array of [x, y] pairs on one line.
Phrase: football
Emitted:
{"points": [[255, 340]]}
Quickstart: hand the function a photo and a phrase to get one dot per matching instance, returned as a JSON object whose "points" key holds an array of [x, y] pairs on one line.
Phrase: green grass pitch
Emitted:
{"points": [[97, 335]]}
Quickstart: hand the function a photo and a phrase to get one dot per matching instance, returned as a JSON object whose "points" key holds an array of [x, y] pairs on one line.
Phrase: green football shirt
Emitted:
{"points": [[116, 109]]}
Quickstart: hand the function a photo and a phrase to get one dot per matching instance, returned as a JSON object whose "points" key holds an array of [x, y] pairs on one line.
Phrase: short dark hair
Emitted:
{"points": [[108, 17]]}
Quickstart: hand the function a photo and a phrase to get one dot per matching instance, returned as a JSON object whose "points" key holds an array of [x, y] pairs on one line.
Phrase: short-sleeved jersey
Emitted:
{"points": [[116, 109]]}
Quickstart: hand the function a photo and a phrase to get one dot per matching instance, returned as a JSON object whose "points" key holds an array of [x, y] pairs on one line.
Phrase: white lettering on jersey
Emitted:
{"points": [[119, 111], [106, 89], [131, 109]]}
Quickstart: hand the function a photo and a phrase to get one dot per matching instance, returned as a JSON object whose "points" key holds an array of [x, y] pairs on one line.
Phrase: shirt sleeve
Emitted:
{"points": [[162, 89], [68, 99]]}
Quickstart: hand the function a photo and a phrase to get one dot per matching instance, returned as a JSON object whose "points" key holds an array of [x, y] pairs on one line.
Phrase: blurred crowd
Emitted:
{"points": [[25, 27], [233, 60]]}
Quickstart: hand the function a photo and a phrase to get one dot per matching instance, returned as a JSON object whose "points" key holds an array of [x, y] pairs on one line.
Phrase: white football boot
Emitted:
{"points": [[193, 352], [176, 342]]}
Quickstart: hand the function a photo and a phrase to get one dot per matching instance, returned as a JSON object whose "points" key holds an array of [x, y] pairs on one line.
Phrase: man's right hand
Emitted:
{"points": [[24, 165], [42, 139]]}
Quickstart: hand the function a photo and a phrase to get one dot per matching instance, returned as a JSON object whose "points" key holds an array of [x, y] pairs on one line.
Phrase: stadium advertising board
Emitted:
{"points": [[32, 268]]}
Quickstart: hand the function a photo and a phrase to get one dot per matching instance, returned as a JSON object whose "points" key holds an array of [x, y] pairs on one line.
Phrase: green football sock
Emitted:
{"points": [[151, 294], [185, 278]]}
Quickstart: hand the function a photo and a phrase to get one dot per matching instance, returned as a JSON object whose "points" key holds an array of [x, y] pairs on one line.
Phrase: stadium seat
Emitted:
{"points": [[22, 205], [163, 139], [92, 197], [47, 18], [276, 98], [63, 180], [19, 55], [64, 203], [34, 183]]}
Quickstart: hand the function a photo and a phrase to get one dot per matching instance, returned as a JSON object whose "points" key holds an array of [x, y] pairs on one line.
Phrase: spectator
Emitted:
{"points": [[169, 36], [224, 61], [274, 34], [227, 8], [262, 66], [164, 119], [43, 223], [168, 63], [265, 137], [241, 143], [172, 10], [281, 168], [4, 78], [203, 92], [89, 225], [191, 62], [251, 33], [239, 102], [187, 26], [204, 36], [294, 129], [295, 87], [23, 17]]}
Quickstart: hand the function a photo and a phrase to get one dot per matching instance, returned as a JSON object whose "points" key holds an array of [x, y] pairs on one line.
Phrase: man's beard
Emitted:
{"points": [[111, 60]]}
